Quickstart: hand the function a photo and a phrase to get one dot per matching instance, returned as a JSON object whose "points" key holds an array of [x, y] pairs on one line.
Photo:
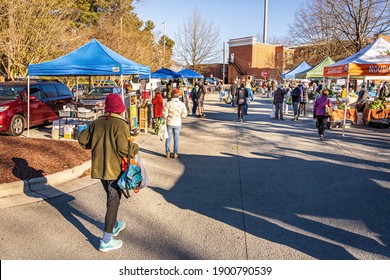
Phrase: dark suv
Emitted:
{"points": [[46, 99]]}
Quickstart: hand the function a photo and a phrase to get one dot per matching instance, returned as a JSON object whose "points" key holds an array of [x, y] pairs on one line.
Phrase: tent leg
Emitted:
{"points": [[28, 106], [345, 105]]}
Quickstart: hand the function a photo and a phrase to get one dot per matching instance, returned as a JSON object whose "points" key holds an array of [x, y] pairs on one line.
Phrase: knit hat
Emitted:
{"points": [[176, 92], [114, 104]]}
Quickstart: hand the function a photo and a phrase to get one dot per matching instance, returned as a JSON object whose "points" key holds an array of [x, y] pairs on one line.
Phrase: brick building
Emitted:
{"points": [[247, 57]]}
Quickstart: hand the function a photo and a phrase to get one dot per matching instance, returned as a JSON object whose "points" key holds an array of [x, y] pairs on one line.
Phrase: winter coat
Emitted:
{"points": [[319, 105], [242, 96], [201, 93], [279, 95], [158, 104], [296, 95], [233, 89], [174, 111], [362, 98], [107, 137]]}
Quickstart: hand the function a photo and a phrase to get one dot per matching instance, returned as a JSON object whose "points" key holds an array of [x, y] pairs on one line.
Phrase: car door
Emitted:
{"points": [[36, 106], [52, 102]]}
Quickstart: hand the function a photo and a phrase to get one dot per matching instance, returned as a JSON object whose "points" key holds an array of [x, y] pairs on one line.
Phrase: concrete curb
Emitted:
{"points": [[42, 183]]}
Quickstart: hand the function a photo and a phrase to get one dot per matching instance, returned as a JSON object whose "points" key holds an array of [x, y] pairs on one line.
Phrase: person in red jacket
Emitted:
{"points": [[158, 105]]}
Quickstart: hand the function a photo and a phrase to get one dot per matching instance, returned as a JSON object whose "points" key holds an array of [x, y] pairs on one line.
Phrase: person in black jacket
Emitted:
{"points": [[296, 100], [242, 96], [278, 102]]}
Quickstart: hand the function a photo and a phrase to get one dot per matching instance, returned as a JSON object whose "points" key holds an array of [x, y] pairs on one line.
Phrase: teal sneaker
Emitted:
{"points": [[113, 244], [119, 228]]}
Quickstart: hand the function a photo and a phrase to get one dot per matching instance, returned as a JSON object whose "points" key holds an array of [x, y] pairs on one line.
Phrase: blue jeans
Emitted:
{"points": [[175, 130]]}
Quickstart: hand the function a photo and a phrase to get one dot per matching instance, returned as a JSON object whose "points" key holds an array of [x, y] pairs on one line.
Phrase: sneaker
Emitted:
{"points": [[113, 244], [241, 120], [119, 228], [322, 137]]}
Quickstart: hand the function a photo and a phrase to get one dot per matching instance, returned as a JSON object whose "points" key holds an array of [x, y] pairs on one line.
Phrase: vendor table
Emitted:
{"points": [[339, 115], [373, 114]]}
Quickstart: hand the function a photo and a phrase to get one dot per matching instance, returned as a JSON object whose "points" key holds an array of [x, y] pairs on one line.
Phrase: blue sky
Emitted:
{"points": [[234, 19]]}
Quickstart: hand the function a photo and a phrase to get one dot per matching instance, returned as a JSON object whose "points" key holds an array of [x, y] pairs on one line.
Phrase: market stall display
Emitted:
{"points": [[370, 63]]}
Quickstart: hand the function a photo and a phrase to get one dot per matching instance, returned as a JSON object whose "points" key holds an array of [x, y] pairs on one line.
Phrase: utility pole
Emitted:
{"points": [[223, 69], [265, 21], [165, 33]]}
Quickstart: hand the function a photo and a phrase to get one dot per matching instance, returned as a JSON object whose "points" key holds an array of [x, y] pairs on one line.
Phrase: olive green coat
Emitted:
{"points": [[107, 137]]}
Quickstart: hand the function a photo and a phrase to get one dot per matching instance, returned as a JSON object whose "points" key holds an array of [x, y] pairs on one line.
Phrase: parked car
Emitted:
{"points": [[97, 96], [46, 99], [82, 89]]}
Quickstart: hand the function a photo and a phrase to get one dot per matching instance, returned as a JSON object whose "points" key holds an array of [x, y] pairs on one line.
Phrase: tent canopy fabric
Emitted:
{"points": [[164, 73], [291, 74], [92, 59], [373, 60], [315, 72], [190, 74]]}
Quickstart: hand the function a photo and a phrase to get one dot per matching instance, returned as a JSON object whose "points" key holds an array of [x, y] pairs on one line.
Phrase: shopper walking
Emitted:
{"points": [[194, 92], [233, 93], [249, 99], [279, 94], [200, 95], [108, 138], [296, 100], [319, 112], [173, 112], [158, 104], [304, 98], [242, 96], [362, 99]]}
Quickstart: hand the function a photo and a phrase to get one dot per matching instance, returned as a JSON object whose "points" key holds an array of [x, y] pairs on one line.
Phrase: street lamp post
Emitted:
{"points": [[165, 32]]}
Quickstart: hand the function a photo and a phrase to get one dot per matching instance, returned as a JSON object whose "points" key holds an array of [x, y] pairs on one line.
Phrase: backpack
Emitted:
{"points": [[241, 96]]}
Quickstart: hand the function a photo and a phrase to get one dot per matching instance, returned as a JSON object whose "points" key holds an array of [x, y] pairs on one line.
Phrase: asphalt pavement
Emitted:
{"points": [[262, 189]]}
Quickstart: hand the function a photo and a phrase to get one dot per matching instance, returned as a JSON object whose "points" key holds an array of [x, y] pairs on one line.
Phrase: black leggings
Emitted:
{"points": [[113, 201], [322, 122]]}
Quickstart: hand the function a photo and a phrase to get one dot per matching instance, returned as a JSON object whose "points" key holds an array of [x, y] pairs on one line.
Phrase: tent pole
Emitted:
{"points": [[28, 106], [345, 105], [122, 93]]}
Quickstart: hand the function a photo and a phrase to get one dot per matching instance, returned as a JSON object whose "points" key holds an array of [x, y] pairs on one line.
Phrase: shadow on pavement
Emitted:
{"points": [[275, 200], [61, 202]]}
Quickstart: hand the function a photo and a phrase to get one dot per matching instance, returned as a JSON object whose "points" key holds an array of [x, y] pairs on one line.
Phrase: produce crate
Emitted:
{"points": [[86, 115]]}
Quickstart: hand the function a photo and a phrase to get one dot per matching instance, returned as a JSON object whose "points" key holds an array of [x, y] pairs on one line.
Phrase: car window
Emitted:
{"points": [[10, 92], [36, 91], [49, 90], [62, 90], [101, 91], [117, 90]]}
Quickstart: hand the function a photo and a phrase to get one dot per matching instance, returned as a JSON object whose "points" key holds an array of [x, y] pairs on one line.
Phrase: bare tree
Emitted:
{"points": [[197, 42], [338, 27], [33, 31], [356, 20]]}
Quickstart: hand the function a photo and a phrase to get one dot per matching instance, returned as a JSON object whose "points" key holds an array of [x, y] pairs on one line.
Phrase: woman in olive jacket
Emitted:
{"points": [[108, 138]]}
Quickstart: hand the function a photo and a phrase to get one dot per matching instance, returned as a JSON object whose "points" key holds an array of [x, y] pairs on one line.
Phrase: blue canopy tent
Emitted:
{"points": [[164, 73], [91, 59], [190, 74], [300, 68]]}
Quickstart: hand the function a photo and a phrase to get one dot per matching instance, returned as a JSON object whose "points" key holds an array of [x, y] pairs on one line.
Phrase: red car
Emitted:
{"points": [[46, 99]]}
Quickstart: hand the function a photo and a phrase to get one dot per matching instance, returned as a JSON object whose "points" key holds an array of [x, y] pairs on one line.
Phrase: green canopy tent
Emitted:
{"points": [[315, 72]]}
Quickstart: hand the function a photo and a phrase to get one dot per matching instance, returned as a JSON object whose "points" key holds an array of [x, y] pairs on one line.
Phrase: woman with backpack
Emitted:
{"points": [[319, 112]]}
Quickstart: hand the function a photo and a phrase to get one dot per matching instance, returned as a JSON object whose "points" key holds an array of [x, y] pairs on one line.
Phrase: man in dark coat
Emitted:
{"points": [[278, 102]]}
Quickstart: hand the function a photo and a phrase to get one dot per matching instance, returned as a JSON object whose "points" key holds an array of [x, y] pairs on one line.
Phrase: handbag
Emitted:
{"points": [[162, 131], [134, 176], [328, 111]]}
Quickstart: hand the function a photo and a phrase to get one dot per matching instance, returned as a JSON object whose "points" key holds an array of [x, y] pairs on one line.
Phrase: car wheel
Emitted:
{"points": [[17, 126]]}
